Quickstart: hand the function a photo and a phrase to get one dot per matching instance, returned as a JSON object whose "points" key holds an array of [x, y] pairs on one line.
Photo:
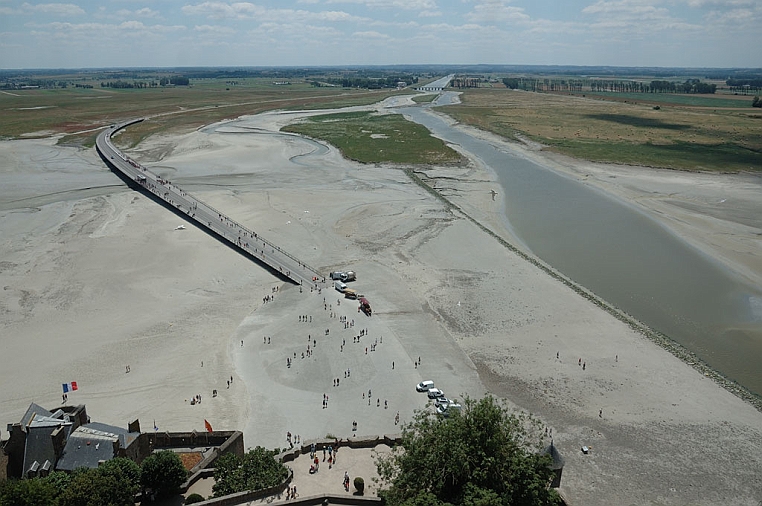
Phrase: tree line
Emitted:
{"points": [[164, 81], [115, 483], [370, 83], [745, 86], [609, 85]]}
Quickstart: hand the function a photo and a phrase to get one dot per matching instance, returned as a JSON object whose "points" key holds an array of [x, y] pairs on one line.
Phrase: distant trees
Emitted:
{"points": [[164, 81], [466, 81], [511, 83], [745, 86], [608, 85], [179, 80], [368, 82]]}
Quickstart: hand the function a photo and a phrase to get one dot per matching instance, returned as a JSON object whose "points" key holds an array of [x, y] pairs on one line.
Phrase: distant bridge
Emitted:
{"points": [[240, 238], [437, 85]]}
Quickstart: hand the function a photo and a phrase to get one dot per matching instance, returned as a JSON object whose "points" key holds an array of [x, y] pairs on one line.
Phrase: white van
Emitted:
{"points": [[424, 386], [339, 286]]}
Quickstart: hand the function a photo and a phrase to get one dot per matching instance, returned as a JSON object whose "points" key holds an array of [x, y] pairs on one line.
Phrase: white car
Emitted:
{"points": [[434, 393], [446, 409], [424, 386], [442, 401]]}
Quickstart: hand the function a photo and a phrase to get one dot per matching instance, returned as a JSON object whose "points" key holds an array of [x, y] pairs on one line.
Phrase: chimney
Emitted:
{"points": [[58, 436]]}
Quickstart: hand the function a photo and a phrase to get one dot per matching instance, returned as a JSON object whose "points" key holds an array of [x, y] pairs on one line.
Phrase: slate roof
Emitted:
{"points": [[86, 449], [39, 424], [39, 446], [92, 443], [31, 412]]}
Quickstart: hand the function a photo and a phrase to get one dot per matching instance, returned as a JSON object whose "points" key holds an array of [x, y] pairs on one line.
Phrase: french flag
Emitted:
{"points": [[69, 387]]}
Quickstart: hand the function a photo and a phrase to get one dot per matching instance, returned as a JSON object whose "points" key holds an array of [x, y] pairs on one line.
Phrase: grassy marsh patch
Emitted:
{"points": [[685, 138], [372, 138], [424, 99]]}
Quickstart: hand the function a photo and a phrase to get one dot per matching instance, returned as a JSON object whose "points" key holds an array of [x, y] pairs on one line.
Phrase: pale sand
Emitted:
{"points": [[94, 280]]}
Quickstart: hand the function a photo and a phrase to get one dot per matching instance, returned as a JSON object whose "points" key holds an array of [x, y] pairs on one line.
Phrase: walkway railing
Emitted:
{"points": [[204, 215]]}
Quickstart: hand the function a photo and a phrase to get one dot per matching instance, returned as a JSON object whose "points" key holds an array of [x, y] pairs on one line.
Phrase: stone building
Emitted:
{"points": [[64, 440]]}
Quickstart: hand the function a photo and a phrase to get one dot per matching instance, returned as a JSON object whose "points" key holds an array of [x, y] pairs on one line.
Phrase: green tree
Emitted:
{"points": [[125, 471], [60, 481], [163, 473], [31, 492], [256, 470], [482, 456], [90, 487]]}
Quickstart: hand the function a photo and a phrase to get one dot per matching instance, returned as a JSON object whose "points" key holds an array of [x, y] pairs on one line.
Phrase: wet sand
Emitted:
{"points": [[92, 283]]}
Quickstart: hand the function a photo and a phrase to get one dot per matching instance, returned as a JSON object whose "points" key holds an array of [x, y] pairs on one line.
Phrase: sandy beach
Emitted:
{"points": [[96, 277]]}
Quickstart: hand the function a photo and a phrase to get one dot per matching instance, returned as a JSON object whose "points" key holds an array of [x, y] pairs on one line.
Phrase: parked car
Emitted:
{"points": [[434, 393], [424, 386], [343, 276], [364, 305], [441, 401], [446, 409]]}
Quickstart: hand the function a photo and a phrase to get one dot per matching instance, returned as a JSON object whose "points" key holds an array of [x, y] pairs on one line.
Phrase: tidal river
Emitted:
{"points": [[626, 257]]}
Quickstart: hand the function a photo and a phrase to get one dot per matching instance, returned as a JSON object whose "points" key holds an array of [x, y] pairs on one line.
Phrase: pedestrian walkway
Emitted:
{"points": [[354, 461], [205, 216]]}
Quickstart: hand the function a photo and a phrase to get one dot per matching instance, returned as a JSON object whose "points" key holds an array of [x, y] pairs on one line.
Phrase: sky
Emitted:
{"points": [[182, 33]]}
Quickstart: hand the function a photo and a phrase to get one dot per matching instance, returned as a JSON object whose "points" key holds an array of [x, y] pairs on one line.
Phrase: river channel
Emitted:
{"points": [[626, 257]]}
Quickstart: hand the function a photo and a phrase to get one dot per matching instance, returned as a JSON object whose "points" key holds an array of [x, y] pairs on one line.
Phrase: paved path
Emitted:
{"points": [[203, 215]]}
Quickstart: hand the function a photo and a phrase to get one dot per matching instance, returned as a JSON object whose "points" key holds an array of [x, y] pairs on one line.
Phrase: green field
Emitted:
{"points": [[372, 138], [690, 132], [78, 112], [676, 136]]}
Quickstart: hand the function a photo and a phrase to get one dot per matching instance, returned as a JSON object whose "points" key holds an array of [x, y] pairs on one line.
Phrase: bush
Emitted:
{"points": [[194, 498], [359, 485]]}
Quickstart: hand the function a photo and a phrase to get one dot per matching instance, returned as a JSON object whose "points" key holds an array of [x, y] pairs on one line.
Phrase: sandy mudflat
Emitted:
{"points": [[96, 279]]}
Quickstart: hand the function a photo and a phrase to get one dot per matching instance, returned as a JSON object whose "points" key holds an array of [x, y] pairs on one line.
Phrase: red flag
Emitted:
{"points": [[208, 426]]}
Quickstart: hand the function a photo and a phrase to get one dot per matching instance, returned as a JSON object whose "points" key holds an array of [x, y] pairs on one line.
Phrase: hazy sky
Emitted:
{"points": [[157, 33]]}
